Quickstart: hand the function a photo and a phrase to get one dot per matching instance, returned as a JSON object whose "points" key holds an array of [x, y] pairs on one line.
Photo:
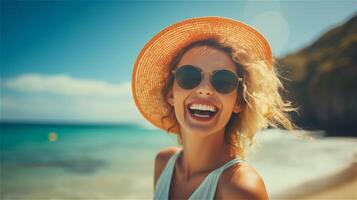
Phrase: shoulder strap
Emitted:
{"points": [[207, 189], [163, 183]]}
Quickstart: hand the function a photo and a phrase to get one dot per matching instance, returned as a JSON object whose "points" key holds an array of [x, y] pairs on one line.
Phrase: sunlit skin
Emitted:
{"points": [[203, 142], [208, 59]]}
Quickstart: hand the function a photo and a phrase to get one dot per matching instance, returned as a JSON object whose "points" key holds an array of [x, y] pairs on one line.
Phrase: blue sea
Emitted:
{"points": [[69, 161]]}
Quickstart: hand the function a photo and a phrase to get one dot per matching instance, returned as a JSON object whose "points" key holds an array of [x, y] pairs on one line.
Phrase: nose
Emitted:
{"points": [[204, 88]]}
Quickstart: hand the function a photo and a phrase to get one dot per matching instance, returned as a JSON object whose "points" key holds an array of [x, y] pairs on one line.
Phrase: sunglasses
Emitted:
{"points": [[224, 81]]}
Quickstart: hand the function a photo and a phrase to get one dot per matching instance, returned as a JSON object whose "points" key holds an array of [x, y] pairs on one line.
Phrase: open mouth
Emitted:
{"points": [[202, 112]]}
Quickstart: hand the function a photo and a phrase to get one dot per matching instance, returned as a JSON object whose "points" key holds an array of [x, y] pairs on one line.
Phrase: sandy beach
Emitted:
{"points": [[339, 186]]}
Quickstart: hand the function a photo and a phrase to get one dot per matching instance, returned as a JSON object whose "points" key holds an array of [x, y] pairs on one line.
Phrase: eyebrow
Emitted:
{"points": [[220, 67], [236, 72]]}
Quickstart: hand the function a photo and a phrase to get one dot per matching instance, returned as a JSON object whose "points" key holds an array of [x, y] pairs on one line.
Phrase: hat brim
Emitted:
{"points": [[152, 65]]}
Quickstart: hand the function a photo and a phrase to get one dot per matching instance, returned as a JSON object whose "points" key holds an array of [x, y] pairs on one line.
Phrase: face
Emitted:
{"points": [[208, 59]]}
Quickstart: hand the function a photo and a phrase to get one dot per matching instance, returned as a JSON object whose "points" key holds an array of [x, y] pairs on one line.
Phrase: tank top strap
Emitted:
{"points": [[207, 189], [163, 183], [228, 164]]}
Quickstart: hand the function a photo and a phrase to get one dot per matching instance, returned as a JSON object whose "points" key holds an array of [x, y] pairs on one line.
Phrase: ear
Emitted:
{"points": [[170, 98], [237, 108]]}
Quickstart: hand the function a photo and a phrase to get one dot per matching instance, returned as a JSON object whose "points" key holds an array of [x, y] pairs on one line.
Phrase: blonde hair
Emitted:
{"points": [[259, 97]]}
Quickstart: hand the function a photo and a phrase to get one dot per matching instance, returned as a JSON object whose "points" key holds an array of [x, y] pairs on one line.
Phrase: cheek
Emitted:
{"points": [[179, 100], [228, 103]]}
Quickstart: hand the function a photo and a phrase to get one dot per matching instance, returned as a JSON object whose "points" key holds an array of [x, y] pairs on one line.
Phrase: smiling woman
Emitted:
{"points": [[211, 81]]}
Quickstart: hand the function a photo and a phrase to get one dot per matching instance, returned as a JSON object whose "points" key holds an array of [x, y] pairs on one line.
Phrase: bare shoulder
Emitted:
{"points": [[161, 160], [241, 181]]}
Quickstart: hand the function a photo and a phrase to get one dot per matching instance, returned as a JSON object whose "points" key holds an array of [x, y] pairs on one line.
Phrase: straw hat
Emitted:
{"points": [[152, 65]]}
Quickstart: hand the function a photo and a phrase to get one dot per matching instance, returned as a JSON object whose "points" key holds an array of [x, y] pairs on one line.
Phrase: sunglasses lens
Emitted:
{"points": [[188, 77], [224, 81]]}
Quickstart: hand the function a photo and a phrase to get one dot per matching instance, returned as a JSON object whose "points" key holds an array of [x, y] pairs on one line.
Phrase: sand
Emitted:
{"points": [[339, 186], [344, 191]]}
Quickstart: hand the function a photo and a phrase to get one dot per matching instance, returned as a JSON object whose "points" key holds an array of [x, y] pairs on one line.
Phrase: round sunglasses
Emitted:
{"points": [[224, 81]]}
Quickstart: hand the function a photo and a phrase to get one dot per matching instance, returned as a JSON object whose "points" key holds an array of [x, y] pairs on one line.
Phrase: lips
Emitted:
{"points": [[202, 110]]}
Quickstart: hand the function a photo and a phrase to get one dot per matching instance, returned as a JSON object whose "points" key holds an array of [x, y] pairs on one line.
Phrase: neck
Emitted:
{"points": [[203, 154]]}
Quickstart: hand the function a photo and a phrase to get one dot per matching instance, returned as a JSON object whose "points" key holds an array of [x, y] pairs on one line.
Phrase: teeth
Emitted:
{"points": [[203, 107]]}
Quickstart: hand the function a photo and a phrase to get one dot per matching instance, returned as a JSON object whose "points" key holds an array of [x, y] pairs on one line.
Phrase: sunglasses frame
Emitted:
{"points": [[212, 73]]}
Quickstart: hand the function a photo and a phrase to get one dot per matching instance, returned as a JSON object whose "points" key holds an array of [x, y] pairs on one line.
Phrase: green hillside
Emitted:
{"points": [[323, 81]]}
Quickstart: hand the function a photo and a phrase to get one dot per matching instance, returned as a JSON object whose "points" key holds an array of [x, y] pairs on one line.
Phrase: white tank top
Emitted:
{"points": [[205, 190]]}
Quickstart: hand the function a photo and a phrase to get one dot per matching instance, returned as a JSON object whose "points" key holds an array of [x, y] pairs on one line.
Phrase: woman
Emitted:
{"points": [[210, 81]]}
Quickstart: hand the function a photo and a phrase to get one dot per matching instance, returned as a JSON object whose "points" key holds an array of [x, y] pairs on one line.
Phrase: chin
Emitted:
{"points": [[200, 130]]}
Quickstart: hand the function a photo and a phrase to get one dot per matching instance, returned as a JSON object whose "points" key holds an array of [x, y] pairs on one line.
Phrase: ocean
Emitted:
{"points": [[68, 161]]}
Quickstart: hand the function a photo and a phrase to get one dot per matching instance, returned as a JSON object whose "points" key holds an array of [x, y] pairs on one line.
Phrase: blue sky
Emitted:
{"points": [[72, 60]]}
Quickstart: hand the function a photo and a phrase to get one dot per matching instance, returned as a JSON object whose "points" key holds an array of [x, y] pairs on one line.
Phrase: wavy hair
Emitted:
{"points": [[259, 96]]}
